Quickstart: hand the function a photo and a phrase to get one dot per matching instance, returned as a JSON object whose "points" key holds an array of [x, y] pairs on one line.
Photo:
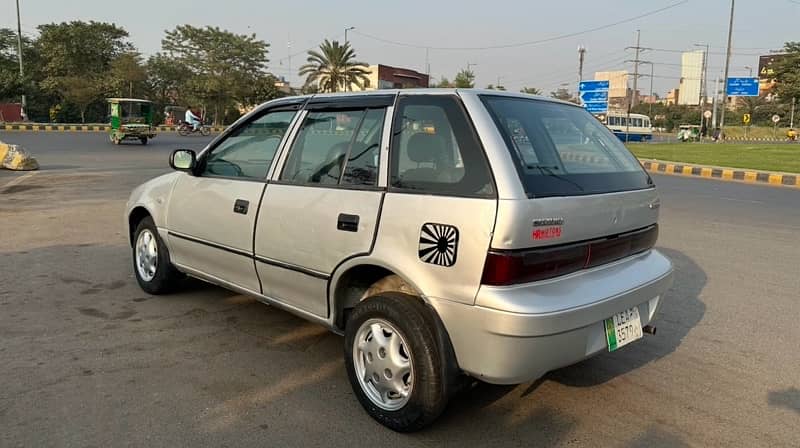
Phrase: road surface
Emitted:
{"points": [[88, 359]]}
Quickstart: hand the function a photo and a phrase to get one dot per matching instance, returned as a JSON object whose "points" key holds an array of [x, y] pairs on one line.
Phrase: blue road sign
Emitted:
{"points": [[594, 96], [590, 86], [742, 87], [596, 108]]}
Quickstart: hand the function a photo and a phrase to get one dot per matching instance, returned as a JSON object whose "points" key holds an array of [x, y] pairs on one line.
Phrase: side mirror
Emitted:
{"points": [[183, 160]]}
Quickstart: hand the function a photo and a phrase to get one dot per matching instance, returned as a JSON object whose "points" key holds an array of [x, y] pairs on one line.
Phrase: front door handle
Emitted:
{"points": [[241, 206], [347, 223]]}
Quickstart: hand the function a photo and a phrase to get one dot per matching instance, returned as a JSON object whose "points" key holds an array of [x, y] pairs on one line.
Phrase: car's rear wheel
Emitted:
{"points": [[151, 265], [143, 140], [394, 362]]}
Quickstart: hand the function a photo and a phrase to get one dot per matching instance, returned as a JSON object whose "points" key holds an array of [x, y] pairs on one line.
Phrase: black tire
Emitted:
{"points": [[205, 131], [431, 385], [143, 140], [183, 131], [166, 276]]}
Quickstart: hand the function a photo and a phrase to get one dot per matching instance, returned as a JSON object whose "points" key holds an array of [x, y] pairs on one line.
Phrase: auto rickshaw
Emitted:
{"points": [[689, 133], [131, 119], [173, 115]]}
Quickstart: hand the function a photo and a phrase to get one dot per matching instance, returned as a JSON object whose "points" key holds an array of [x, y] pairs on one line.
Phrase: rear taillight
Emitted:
{"points": [[511, 267]]}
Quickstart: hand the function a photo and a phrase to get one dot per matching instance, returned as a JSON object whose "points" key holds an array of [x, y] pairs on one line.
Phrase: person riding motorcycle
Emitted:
{"points": [[192, 119]]}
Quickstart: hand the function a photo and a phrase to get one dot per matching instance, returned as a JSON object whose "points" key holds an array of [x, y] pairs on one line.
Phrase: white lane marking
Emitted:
{"points": [[743, 200], [19, 180]]}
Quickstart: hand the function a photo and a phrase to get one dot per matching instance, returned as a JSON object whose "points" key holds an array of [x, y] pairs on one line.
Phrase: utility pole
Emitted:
{"points": [[791, 119], [428, 66], [714, 104], [19, 55], [346, 77], [636, 70], [727, 68], [703, 93], [581, 55], [289, 53]]}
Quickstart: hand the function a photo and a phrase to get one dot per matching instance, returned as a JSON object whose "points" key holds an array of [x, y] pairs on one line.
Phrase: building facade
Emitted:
{"points": [[691, 77], [387, 77], [618, 91]]}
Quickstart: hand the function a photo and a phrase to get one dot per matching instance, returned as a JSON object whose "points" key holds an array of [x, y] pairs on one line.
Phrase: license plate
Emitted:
{"points": [[623, 328]]}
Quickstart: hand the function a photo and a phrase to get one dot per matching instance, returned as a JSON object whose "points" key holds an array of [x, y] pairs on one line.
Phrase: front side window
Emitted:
{"points": [[435, 150], [337, 148], [249, 150], [567, 151]]}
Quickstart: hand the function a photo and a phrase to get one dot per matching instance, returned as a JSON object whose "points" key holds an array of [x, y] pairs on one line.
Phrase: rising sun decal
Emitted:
{"points": [[438, 244]]}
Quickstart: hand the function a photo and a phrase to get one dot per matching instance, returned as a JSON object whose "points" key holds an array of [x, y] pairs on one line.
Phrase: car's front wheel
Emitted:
{"points": [[151, 265], [394, 362]]}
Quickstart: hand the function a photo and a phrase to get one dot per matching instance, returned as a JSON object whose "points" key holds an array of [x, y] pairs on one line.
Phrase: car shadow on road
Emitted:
{"points": [[680, 311], [788, 398]]}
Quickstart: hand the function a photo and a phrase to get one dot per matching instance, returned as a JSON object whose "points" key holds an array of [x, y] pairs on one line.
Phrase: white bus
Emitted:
{"points": [[629, 127]]}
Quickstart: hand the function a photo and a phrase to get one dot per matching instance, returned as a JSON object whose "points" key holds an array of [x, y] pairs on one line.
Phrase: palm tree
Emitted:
{"points": [[333, 67]]}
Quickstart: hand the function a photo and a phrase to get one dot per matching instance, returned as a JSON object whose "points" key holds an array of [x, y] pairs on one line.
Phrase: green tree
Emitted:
{"points": [[333, 67], [787, 73], [128, 71], [221, 67], [166, 79], [531, 90], [80, 91], [465, 79], [493, 87], [562, 94], [75, 59], [444, 83]]}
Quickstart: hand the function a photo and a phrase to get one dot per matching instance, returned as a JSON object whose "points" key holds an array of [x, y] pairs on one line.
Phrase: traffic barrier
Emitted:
{"points": [[726, 174], [14, 157], [62, 127]]}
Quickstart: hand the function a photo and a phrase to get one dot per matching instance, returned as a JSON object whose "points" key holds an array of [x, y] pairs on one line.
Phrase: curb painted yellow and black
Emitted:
{"points": [[727, 174], [36, 127]]}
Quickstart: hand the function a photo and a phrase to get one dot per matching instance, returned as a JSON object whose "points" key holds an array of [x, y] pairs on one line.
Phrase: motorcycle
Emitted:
{"points": [[185, 129]]}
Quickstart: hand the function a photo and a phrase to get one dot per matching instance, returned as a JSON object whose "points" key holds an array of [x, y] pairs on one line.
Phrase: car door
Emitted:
{"points": [[323, 206], [212, 212]]}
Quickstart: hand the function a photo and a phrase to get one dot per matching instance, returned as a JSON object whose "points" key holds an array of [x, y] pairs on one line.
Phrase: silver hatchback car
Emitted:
{"points": [[447, 234]]}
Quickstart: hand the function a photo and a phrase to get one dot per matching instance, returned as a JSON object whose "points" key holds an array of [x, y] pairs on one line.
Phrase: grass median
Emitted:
{"points": [[784, 157]]}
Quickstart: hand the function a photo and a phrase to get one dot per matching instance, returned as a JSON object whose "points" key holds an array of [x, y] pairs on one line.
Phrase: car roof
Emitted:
{"points": [[419, 91]]}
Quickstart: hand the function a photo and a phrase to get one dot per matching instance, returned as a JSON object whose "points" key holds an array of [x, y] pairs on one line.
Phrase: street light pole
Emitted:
{"points": [[749, 69], [727, 69], [346, 77], [703, 88], [19, 55]]}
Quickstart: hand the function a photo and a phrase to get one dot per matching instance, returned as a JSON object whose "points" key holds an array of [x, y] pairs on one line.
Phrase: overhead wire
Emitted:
{"points": [[528, 43]]}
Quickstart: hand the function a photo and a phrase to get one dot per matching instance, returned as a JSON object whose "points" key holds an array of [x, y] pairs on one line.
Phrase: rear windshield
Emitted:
{"points": [[562, 150]]}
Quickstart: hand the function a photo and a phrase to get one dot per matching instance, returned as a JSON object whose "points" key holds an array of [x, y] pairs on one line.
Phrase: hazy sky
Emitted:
{"points": [[759, 26]]}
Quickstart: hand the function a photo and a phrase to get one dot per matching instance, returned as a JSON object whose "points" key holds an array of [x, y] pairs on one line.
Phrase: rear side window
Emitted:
{"points": [[435, 150], [337, 148], [563, 150]]}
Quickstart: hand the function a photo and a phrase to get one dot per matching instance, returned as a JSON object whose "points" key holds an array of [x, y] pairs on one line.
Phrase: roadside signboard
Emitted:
{"points": [[707, 114], [776, 118], [742, 87], [746, 118], [594, 96]]}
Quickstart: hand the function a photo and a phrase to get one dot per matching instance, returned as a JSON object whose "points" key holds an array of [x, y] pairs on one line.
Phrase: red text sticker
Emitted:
{"points": [[547, 233]]}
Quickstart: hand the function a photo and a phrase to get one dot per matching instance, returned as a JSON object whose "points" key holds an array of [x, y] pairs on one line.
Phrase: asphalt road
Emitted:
{"points": [[88, 359]]}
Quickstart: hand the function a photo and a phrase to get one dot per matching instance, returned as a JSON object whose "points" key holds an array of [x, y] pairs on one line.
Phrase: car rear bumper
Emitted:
{"points": [[516, 334]]}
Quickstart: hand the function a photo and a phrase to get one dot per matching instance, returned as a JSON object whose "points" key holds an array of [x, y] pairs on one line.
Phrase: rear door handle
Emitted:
{"points": [[241, 206], [347, 223]]}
